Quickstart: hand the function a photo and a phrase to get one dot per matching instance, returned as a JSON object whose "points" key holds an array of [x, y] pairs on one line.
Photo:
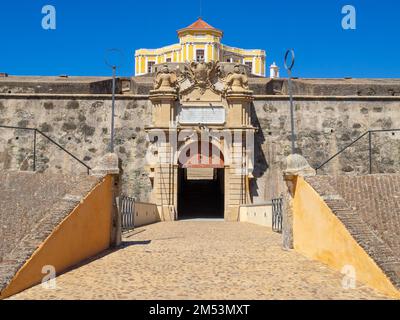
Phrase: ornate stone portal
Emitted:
{"points": [[201, 114]]}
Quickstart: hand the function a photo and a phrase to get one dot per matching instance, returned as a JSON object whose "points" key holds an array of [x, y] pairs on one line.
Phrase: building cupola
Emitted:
{"points": [[198, 28]]}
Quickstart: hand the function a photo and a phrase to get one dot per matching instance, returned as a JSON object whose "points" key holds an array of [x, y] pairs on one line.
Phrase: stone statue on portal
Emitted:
{"points": [[165, 81], [236, 81]]}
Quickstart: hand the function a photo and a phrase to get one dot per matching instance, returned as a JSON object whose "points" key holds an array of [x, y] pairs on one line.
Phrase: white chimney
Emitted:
{"points": [[274, 71]]}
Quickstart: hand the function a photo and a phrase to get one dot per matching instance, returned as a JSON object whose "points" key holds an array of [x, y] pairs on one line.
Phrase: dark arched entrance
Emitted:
{"points": [[201, 182]]}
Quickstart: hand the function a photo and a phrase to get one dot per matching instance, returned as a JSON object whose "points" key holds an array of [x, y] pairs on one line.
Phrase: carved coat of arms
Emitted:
{"points": [[202, 75]]}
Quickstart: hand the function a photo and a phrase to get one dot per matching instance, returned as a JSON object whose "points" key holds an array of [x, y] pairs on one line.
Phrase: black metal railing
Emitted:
{"points": [[277, 210], [369, 133], [37, 131], [126, 208]]}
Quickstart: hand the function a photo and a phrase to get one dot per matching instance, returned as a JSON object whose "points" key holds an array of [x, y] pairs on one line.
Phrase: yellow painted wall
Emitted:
{"points": [[258, 66], [320, 235], [209, 53], [85, 232], [143, 65], [191, 54], [187, 45]]}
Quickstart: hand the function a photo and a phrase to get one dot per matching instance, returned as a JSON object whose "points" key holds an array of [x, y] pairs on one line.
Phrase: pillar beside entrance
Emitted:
{"points": [[237, 173], [163, 108], [238, 114], [165, 172], [235, 193], [165, 192]]}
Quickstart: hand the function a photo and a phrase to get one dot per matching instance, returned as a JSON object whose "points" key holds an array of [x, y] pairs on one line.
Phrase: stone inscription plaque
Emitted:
{"points": [[203, 115]]}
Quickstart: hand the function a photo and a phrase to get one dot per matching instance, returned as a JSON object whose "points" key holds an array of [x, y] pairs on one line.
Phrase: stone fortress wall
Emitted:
{"points": [[75, 111], [82, 126]]}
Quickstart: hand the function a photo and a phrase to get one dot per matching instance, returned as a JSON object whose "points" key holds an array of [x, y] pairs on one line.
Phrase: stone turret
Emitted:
{"points": [[274, 71]]}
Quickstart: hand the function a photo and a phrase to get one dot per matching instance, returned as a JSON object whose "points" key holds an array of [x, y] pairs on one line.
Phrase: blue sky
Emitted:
{"points": [[87, 28]]}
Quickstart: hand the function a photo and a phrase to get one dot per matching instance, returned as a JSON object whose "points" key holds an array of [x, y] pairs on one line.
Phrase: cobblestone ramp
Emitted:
{"points": [[193, 259], [369, 207], [31, 206]]}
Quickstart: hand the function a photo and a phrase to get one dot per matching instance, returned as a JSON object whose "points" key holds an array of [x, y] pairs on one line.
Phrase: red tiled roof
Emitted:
{"points": [[200, 24]]}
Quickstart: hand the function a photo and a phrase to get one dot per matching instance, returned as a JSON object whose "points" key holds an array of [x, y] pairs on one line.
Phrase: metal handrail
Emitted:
{"points": [[369, 132], [35, 131]]}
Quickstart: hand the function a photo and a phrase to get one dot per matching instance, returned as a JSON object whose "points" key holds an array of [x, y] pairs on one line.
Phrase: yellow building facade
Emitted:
{"points": [[199, 42]]}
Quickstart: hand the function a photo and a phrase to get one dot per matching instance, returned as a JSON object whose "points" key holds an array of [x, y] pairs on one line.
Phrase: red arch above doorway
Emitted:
{"points": [[201, 155]]}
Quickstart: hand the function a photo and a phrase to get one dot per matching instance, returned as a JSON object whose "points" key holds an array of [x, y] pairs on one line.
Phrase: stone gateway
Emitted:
{"points": [[217, 154], [200, 132]]}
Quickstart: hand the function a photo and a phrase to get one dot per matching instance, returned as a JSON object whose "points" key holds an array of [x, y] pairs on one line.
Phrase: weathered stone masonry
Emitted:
{"points": [[82, 126], [323, 127], [324, 124]]}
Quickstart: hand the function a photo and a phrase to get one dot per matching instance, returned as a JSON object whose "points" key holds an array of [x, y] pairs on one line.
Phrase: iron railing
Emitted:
{"points": [[37, 131], [277, 206], [127, 212], [369, 133]]}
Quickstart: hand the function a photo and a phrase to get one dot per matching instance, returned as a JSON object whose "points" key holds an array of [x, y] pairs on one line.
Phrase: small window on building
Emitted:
{"points": [[199, 55], [150, 64], [168, 60], [250, 65]]}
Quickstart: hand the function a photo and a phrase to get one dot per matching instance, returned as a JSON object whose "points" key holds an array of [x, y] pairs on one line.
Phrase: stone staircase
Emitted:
{"points": [[369, 207], [31, 206]]}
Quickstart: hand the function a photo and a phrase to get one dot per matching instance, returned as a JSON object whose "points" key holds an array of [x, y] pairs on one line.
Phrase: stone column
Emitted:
{"points": [[165, 182], [294, 166], [165, 175], [163, 108], [108, 165], [236, 191], [239, 103]]}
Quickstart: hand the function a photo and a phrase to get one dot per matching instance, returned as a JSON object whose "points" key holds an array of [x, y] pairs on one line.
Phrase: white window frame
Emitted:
{"points": [[250, 65], [149, 65], [204, 52]]}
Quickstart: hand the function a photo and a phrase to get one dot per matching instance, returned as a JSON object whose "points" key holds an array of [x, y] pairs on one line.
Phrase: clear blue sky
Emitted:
{"points": [[86, 28]]}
